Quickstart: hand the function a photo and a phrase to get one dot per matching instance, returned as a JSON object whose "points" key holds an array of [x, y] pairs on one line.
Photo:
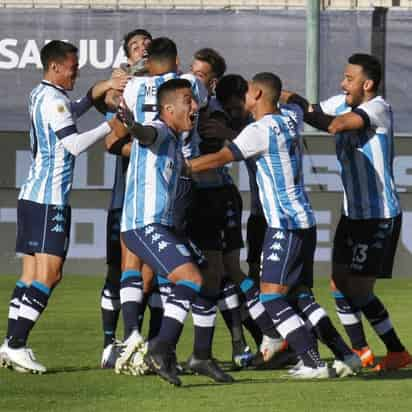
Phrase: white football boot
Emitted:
{"points": [[306, 372], [349, 366], [127, 348], [270, 346], [23, 360]]}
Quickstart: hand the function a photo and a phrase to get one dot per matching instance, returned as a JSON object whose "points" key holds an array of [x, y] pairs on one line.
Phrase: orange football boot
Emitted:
{"points": [[393, 361], [366, 356]]}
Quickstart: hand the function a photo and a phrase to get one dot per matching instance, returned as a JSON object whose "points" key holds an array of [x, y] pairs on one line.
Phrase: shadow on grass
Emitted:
{"points": [[69, 369]]}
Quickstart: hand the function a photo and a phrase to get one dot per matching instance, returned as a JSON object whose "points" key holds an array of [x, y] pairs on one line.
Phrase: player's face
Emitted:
{"points": [[185, 110], [353, 84], [67, 71], [137, 47], [203, 71]]}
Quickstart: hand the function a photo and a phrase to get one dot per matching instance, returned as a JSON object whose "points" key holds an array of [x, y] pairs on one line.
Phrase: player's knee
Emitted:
{"points": [[269, 288]]}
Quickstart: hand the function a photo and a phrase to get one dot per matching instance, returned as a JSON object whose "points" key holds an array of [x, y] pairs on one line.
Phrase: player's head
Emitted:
{"points": [[60, 63], [135, 44], [162, 56], [231, 94], [208, 66], [361, 78], [177, 106], [264, 88]]}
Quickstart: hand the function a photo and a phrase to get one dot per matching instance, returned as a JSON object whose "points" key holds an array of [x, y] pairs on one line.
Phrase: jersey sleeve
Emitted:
{"points": [[374, 112], [251, 141], [334, 105], [60, 117]]}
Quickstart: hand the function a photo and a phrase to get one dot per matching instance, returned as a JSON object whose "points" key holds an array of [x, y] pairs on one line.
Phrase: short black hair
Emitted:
{"points": [[231, 85], [169, 87], [216, 61], [56, 51], [161, 49], [271, 82], [370, 66], [128, 36]]}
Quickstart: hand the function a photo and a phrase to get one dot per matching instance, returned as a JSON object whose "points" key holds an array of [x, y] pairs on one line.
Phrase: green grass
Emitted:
{"points": [[68, 340]]}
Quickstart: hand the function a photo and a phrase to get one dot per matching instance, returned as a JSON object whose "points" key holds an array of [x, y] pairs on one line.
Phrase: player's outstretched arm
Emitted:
{"points": [[210, 161], [346, 122]]}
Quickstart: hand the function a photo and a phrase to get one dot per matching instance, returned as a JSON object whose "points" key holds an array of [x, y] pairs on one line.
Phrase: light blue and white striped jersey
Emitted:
{"points": [[140, 96], [366, 160], [275, 145], [255, 205], [151, 181], [52, 117]]}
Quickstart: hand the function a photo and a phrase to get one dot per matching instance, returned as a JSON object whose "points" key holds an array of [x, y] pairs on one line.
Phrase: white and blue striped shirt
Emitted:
{"points": [[151, 181], [366, 160], [275, 145], [140, 96], [52, 117]]}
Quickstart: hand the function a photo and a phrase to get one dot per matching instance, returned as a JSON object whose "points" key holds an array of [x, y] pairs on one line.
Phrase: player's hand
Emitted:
{"points": [[118, 72], [125, 114], [119, 82]]}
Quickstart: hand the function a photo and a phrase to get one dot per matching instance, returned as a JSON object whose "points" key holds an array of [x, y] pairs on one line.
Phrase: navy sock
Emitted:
{"points": [[131, 297], [204, 319], [351, 319], [32, 305], [322, 325], [378, 317], [292, 328], [14, 306], [110, 310], [256, 309], [177, 307]]}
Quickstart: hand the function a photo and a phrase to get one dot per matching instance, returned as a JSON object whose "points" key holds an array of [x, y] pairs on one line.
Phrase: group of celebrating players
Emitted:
{"points": [[174, 224]]}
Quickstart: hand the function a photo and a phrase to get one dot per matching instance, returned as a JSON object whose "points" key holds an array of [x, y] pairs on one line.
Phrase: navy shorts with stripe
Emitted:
{"points": [[287, 257], [158, 247], [42, 228], [367, 247]]}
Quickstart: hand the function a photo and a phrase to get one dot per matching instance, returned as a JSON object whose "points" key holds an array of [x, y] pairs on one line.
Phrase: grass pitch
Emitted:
{"points": [[68, 340]]}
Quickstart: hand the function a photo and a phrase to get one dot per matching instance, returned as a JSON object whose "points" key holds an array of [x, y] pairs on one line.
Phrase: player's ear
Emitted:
{"points": [[213, 83], [169, 108], [177, 61], [258, 93], [368, 85]]}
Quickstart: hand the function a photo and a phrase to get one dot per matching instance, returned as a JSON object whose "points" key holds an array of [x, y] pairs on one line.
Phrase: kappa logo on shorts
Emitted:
{"points": [[163, 245], [276, 246], [59, 208], [279, 235], [273, 257], [156, 237], [58, 218], [183, 250], [148, 230], [58, 229], [33, 243]]}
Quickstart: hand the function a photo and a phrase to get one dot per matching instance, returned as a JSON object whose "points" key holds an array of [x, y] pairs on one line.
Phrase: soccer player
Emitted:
{"points": [[155, 165], [141, 97], [135, 44], [43, 212], [290, 240], [368, 231]]}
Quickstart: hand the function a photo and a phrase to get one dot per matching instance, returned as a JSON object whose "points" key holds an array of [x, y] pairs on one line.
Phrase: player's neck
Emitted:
{"points": [[263, 109], [369, 96], [50, 78]]}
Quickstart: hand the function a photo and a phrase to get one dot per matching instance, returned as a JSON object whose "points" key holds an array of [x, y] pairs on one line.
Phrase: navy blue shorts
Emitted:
{"points": [[158, 247], [215, 219], [42, 228], [113, 248], [288, 256], [367, 247]]}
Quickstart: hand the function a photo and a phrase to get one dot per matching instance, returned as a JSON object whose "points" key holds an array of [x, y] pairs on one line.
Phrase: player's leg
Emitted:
{"points": [[374, 249], [110, 294], [282, 264], [348, 314], [27, 277]]}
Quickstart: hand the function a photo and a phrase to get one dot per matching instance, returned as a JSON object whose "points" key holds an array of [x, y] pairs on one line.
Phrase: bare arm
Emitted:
{"points": [[211, 161], [347, 121]]}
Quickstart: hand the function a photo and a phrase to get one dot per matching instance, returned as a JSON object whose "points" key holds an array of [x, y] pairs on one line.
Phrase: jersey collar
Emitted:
{"points": [[60, 89]]}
